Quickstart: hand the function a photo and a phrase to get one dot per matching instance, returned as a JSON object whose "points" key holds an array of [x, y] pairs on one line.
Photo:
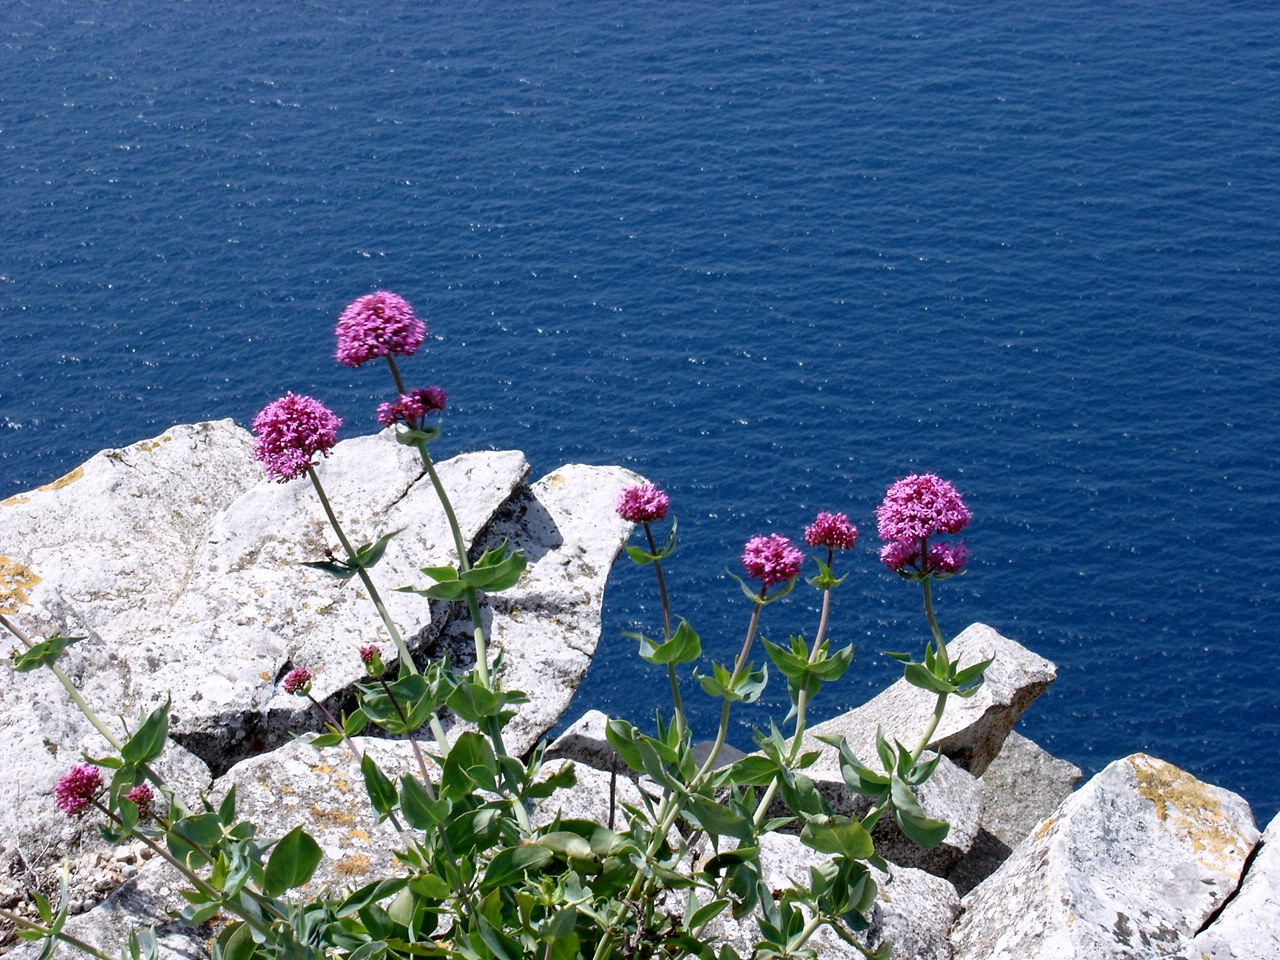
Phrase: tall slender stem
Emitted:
{"points": [[66, 938], [363, 574], [802, 703], [89, 714], [677, 701], [669, 809]]}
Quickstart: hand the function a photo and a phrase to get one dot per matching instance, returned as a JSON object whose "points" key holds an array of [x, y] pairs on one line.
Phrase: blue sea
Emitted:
{"points": [[774, 255]]}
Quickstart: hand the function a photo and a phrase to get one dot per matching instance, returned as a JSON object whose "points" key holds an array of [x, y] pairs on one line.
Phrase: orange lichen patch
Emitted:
{"points": [[16, 499], [355, 865], [1044, 827], [555, 480], [1191, 810], [341, 817], [358, 834], [266, 676], [15, 580], [64, 480]]}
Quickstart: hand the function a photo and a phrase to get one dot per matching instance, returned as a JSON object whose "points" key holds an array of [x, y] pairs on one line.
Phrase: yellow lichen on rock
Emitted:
{"points": [[65, 480], [1191, 810], [15, 580], [16, 499]]}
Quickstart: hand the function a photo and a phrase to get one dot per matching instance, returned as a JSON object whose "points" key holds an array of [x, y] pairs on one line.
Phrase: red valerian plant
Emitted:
{"points": [[475, 878]]}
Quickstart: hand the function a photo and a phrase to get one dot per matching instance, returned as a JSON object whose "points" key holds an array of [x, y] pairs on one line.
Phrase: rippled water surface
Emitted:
{"points": [[773, 255]]}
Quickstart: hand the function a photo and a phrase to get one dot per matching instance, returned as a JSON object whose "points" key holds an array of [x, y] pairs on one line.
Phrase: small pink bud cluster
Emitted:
{"points": [[290, 431], [642, 504], [378, 325], [141, 796], [411, 406], [771, 559], [371, 657], [297, 681], [76, 790], [916, 508]]}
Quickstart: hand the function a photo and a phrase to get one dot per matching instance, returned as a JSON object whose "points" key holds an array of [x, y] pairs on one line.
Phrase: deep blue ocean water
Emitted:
{"points": [[773, 255]]}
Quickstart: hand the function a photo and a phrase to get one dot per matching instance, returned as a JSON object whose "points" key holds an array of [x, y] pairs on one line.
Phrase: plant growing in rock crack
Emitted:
{"points": [[476, 878]]}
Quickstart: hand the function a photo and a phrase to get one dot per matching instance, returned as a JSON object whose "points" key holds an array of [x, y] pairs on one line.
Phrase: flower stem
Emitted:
{"points": [[401, 649], [670, 809], [676, 700], [47, 932], [802, 704], [927, 590]]}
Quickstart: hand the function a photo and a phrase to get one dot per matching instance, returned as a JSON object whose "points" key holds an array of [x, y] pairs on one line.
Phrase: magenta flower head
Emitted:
{"points": [[919, 506], [411, 406], [371, 657], [831, 530], [771, 559], [378, 325], [288, 432], [642, 504], [141, 796], [76, 790], [297, 681], [903, 556]]}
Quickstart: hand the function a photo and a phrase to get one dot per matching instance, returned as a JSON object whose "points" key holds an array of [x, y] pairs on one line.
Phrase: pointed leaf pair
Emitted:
{"points": [[43, 653], [685, 646]]}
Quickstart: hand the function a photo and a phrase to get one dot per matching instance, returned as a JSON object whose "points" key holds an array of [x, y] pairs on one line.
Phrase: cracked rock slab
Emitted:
{"points": [[1129, 866], [1020, 787], [1248, 928], [547, 626]]}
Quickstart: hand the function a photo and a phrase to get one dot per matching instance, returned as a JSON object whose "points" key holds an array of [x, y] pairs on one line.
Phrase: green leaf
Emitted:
{"points": [[471, 763], [202, 830], [382, 792], [753, 771], [717, 819], [420, 811], [513, 863], [910, 817], [499, 576], [706, 913], [234, 943], [369, 893], [919, 676], [793, 663], [335, 568], [640, 557], [685, 646], [369, 554], [293, 862], [43, 653], [448, 590], [566, 845], [838, 835], [148, 742], [416, 438]]}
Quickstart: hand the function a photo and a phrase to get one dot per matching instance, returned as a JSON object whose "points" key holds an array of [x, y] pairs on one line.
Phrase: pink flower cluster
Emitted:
{"points": [[76, 790], [642, 504], [916, 508], [378, 325], [288, 432], [297, 681], [771, 559], [920, 505], [371, 657], [831, 530], [411, 406], [142, 797], [903, 555]]}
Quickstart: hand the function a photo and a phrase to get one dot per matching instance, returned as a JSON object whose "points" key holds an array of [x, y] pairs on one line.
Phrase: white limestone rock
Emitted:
{"points": [[547, 626], [584, 742], [913, 911], [1248, 928], [1129, 866], [971, 731], [596, 795]]}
